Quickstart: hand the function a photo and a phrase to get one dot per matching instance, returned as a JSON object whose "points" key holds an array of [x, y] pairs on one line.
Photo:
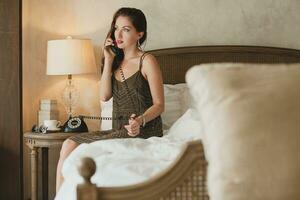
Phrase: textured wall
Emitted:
{"points": [[171, 23]]}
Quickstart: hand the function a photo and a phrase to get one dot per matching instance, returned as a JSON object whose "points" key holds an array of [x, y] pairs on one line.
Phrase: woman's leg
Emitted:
{"points": [[67, 147]]}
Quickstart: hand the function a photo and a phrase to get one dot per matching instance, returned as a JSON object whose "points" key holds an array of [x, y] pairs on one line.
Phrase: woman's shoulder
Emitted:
{"points": [[149, 59], [148, 55], [150, 66]]}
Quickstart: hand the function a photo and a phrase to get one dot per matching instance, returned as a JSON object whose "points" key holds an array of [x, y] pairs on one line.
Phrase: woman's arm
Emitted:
{"points": [[105, 82], [152, 73]]}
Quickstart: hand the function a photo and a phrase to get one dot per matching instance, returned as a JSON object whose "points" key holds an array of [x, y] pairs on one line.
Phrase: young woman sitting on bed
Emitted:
{"points": [[140, 98]]}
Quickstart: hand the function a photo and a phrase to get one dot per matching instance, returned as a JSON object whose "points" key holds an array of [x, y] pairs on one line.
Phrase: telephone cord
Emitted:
{"points": [[104, 118]]}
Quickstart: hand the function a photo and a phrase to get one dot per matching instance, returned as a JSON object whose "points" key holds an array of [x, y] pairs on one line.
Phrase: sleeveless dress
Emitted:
{"points": [[124, 105]]}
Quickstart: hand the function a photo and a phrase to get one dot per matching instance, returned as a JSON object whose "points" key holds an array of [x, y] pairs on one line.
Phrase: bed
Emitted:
{"points": [[185, 177]]}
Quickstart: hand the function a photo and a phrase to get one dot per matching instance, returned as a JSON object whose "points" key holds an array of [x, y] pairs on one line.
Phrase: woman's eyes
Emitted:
{"points": [[123, 29]]}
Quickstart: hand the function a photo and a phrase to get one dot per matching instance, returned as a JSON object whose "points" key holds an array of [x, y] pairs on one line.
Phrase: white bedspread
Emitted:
{"points": [[127, 161]]}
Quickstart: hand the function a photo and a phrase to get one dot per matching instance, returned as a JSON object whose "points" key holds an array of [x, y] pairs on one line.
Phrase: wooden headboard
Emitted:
{"points": [[174, 62]]}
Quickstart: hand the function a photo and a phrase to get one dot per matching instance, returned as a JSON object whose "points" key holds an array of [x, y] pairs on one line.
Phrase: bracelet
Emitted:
{"points": [[144, 121]]}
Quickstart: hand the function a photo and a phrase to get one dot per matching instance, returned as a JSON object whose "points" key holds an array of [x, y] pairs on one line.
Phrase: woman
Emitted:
{"points": [[133, 78]]}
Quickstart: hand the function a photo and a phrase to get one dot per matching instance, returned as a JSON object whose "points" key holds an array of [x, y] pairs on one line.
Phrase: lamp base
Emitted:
{"points": [[70, 96]]}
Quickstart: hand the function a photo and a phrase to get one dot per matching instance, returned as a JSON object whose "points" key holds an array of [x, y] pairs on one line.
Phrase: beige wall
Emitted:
{"points": [[171, 23]]}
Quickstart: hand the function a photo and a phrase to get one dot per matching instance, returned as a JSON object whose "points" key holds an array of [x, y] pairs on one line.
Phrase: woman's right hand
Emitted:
{"points": [[107, 52]]}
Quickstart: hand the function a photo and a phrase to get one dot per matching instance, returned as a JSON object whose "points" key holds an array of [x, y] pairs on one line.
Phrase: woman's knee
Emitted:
{"points": [[67, 147]]}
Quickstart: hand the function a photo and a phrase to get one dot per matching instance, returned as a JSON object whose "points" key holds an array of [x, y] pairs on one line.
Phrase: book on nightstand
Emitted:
{"points": [[48, 110]]}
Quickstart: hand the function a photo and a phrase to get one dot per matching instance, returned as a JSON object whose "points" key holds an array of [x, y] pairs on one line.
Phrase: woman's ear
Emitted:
{"points": [[141, 34]]}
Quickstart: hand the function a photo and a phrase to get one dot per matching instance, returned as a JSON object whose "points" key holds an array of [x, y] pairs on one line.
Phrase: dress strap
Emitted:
{"points": [[141, 60]]}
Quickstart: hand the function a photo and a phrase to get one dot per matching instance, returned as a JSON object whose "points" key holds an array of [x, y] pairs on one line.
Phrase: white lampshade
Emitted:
{"points": [[70, 56]]}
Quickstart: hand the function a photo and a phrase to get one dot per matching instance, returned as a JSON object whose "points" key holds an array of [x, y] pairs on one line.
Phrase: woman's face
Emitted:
{"points": [[125, 33]]}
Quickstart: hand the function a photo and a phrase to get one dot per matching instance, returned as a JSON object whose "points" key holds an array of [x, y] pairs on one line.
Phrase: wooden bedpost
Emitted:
{"points": [[87, 190]]}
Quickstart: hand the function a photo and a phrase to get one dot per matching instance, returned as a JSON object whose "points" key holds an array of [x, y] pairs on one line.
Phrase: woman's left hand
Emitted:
{"points": [[133, 127]]}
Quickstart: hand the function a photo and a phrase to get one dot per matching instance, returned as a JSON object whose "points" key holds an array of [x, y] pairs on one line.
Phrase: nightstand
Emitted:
{"points": [[44, 141]]}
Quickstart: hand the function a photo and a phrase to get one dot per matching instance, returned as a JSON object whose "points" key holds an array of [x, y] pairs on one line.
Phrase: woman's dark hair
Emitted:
{"points": [[139, 22]]}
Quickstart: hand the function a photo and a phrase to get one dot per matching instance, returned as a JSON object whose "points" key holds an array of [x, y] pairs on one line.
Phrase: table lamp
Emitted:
{"points": [[68, 57]]}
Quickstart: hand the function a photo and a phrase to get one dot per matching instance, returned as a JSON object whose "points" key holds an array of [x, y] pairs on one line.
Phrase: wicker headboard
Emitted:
{"points": [[174, 62]]}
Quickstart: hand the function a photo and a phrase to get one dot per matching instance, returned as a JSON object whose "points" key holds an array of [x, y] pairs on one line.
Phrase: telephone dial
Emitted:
{"points": [[75, 124]]}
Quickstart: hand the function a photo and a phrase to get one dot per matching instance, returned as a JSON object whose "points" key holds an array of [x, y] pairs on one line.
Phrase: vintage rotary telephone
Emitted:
{"points": [[77, 124], [114, 47]]}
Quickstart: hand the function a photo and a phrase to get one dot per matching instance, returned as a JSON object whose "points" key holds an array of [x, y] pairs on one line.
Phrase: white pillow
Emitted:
{"points": [[251, 120], [187, 127], [176, 103], [106, 111]]}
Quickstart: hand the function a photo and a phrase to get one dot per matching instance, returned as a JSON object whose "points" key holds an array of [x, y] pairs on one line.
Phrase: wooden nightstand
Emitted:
{"points": [[44, 141]]}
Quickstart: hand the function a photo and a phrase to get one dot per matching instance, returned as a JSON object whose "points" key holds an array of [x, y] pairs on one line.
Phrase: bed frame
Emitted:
{"points": [[186, 178]]}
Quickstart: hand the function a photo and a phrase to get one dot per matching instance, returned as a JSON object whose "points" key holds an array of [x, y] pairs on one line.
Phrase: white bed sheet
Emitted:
{"points": [[123, 162]]}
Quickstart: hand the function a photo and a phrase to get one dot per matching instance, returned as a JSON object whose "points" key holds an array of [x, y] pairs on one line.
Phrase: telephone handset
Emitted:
{"points": [[114, 47], [76, 124]]}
